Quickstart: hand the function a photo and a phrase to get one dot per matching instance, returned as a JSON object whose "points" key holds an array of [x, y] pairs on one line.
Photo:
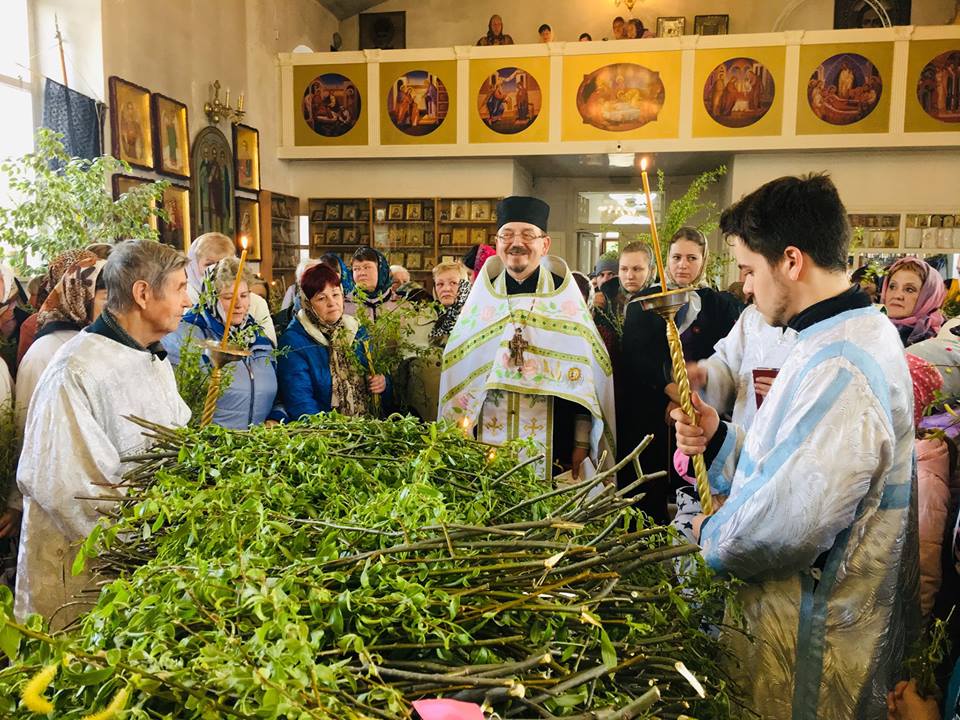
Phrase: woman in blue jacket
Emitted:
{"points": [[322, 362], [250, 397]]}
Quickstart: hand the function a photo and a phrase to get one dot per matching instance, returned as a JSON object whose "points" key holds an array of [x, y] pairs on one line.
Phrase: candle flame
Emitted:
{"points": [[243, 241], [643, 165]]}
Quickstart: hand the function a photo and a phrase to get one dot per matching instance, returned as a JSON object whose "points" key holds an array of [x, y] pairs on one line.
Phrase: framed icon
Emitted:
{"points": [[349, 212], [478, 236], [428, 213], [414, 260], [332, 236], [711, 24], [413, 211], [446, 239], [395, 211], [460, 236], [380, 215], [172, 138], [331, 211], [248, 225], [480, 210], [246, 155], [131, 131], [459, 210], [671, 26]]}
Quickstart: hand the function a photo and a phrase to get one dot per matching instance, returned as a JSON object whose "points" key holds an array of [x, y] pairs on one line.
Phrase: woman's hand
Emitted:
{"points": [[762, 385], [377, 384]]}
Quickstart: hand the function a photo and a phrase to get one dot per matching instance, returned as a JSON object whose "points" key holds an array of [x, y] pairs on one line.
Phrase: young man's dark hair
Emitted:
{"points": [[543, 27], [803, 212]]}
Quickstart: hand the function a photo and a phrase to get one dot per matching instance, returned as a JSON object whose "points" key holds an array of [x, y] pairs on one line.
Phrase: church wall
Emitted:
{"points": [[431, 24], [178, 47]]}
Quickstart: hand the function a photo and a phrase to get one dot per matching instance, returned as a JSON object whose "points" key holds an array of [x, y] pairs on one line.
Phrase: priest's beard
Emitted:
{"points": [[519, 262]]}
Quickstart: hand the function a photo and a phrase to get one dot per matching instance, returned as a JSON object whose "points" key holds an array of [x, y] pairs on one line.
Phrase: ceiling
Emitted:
{"points": [[685, 163], [343, 9]]}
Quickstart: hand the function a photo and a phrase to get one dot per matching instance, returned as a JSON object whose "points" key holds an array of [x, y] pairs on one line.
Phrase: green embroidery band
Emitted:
{"points": [[459, 387]]}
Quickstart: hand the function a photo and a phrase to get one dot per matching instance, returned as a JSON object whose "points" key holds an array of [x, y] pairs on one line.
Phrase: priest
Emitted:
{"points": [[78, 429], [524, 359]]}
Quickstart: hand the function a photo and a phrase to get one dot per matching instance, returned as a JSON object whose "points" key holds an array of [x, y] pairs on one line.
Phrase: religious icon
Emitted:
{"points": [[480, 210], [130, 126], [248, 225], [478, 236], [446, 239], [738, 92], [711, 24], [518, 345], [246, 147], [509, 101], [331, 211], [844, 89], [417, 103], [938, 88], [349, 212], [212, 183], [349, 236], [125, 183], [331, 105], [414, 261], [171, 142], [395, 211], [458, 209], [620, 97], [380, 215], [671, 26], [332, 236], [413, 211], [175, 231], [460, 236]]}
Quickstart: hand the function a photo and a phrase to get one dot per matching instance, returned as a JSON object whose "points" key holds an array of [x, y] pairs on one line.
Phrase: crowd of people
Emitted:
{"points": [[812, 390], [621, 29]]}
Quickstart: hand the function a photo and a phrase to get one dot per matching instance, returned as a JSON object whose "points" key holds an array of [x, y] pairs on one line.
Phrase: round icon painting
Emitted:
{"points": [[738, 92], [417, 103], [620, 97], [509, 100], [938, 88], [331, 104], [844, 89]]}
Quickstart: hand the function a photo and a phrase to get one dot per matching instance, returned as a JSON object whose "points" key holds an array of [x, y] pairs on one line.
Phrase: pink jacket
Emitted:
{"points": [[933, 496]]}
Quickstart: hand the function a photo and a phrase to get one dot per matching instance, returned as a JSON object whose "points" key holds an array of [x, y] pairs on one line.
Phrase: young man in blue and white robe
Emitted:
{"points": [[819, 518]]}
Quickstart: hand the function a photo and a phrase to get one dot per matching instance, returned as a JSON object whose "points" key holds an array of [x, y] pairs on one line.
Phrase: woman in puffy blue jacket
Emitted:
{"points": [[251, 396], [322, 362]]}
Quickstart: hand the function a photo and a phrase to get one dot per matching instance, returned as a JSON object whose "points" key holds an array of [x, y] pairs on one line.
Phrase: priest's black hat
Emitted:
{"points": [[518, 208]]}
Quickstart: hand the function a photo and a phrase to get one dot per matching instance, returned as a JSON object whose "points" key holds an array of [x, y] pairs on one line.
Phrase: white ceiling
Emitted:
{"points": [[599, 166], [343, 9]]}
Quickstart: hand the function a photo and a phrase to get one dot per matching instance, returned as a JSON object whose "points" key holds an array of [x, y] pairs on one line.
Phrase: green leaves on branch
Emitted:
{"points": [[57, 210], [342, 568]]}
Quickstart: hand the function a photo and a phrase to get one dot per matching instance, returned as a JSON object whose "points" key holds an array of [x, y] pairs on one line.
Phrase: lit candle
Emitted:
{"points": [[236, 293], [653, 226], [240, 102]]}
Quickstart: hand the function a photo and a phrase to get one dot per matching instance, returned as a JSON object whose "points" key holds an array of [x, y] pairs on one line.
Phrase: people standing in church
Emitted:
{"points": [[250, 398], [913, 293], [820, 511], [546, 33], [372, 283], [451, 288], [75, 302], [206, 251], [703, 322], [78, 427], [322, 366], [616, 289], [524, 358], [58, 266], [604, 269], [495, 34]]}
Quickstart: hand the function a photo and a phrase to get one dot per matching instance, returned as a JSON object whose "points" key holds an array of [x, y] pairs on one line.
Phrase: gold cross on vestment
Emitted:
{"points": [[517, 347]]}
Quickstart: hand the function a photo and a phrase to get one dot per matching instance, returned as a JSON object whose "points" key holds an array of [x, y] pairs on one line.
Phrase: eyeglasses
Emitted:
{"points": [[524, 235]]}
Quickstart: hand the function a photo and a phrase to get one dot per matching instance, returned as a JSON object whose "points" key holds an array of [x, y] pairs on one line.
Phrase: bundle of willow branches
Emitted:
{"points": [[343, 568]]}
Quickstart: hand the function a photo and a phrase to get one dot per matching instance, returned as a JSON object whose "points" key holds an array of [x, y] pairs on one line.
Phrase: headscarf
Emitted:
{"points": [[699, 281], [70, 302], [346, 276], [10, 287], [59, 265], [484, 253], [384, 288], [448, 318], [926, 318], [348, 391]]}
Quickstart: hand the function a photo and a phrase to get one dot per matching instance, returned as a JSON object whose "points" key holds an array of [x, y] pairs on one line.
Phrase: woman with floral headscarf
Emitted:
{"points": [[73, 303], [60, 264], [319, 369], [913, 293]]}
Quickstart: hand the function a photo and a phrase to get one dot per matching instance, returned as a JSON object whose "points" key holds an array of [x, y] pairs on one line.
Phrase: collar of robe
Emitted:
{"points": [[851, 299], [107, 326]]}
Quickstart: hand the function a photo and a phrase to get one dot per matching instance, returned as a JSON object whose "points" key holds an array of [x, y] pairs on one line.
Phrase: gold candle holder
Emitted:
{"points": [[219, 356], [666, 305]]}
